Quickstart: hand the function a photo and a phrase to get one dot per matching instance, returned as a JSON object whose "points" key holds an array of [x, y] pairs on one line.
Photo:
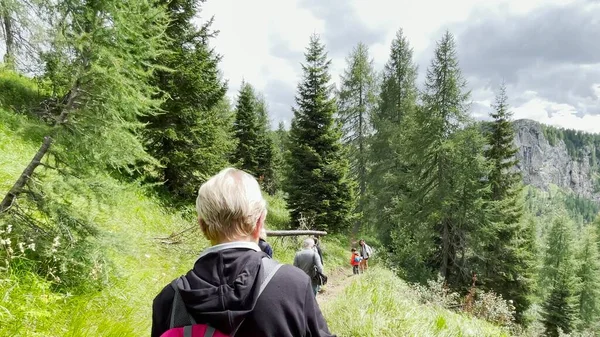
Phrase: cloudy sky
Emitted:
{"points": [[547, 51]]}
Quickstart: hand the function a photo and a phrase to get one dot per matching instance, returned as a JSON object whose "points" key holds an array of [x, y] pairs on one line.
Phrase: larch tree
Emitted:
{"points": [[357, 98], [266, 148], [318, 183], [104, 87], [397, 98], [192, 137], [280, 139], [443, 152]]}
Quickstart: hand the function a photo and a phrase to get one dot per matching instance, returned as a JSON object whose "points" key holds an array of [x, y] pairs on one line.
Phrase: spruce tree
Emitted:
{"points": [[318, 184], [356, 101], [507, 261], [397, 98], [559, 277], [589, 275], [246, 131], [194, 105]]}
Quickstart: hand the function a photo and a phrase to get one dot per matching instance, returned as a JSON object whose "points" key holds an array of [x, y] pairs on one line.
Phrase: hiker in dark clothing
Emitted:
{"points": [[263, 244], [222, 288], [308, 261], [318, 249]]}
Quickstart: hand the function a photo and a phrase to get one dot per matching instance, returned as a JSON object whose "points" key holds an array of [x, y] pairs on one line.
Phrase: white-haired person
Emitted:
{"points": [[263, 244], [307, 259], [234, 287]]}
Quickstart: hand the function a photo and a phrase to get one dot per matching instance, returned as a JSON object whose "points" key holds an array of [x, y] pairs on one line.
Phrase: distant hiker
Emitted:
{"points": [[263, 244], [355, 261], [365, 253], [320, 253], [234, 287], [309, 261], [318, 249]]}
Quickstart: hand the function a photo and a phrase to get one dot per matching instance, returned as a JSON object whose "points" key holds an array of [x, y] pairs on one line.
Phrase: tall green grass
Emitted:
{"points": [[378, 303]]}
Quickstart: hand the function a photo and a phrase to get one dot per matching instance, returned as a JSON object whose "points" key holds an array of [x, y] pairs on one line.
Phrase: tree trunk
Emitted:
{"points": [[361, 162], [17, 188], [9, 34], [445, 249]]}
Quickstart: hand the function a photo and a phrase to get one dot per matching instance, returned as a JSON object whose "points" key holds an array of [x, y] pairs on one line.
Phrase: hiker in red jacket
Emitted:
{"points": [[234, 287], [355, 261]]}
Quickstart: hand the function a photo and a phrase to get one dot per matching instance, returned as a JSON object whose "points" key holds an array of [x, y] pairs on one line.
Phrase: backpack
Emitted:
{"points": [[183, 324], [320, 278]]}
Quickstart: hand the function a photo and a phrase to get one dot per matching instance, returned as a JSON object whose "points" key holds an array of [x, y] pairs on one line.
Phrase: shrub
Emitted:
{"points": [[437, 293], [485, 305], [493, 308]]}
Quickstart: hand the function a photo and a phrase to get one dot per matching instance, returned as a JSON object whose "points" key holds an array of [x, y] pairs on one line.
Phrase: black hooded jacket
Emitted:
{"points": [[221, 290]]}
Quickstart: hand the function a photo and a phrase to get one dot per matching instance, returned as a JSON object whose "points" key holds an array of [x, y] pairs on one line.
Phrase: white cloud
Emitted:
{"points": [[250, 30], [562, 115]]}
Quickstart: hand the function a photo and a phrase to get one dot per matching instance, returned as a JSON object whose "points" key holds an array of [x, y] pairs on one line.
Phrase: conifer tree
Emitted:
{"points": [[589, 275], [195, 105], [103, 90], [247, 131], [356, 101], [507, 261], [266, 148], [318, 184], [397, 98], [280, 138], [444, 152], [559, 277]]}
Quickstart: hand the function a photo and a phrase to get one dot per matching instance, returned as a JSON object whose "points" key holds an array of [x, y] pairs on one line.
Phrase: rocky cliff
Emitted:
{"points": [[544, 162]]}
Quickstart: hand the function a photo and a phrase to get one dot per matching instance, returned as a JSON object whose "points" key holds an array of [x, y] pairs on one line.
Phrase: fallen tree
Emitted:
{"points": [[295, 232]]}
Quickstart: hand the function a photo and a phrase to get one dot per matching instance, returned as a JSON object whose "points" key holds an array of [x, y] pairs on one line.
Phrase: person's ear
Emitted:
{"points": [[203, 227], [260, 223]]}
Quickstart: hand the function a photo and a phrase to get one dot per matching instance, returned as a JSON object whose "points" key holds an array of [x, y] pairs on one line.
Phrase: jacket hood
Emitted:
{"points": [[222, 288]]}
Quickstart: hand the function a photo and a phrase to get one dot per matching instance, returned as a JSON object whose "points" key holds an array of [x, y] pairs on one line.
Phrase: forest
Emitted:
{"points": [[107, 106]]}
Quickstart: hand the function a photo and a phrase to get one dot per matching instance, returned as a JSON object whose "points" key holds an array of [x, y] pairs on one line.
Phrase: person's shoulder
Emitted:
{"points": [[165, 295], [292, 275]]}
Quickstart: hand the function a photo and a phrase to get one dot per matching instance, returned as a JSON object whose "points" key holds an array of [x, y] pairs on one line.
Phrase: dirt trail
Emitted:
{"points": [[337, 279]]}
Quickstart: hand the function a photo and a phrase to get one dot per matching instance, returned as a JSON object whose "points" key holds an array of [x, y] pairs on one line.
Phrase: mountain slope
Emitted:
{"points": [[552, 156]]}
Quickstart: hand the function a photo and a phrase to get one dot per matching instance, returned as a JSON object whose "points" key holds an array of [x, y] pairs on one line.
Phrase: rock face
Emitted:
{"points": [[543, 164]]}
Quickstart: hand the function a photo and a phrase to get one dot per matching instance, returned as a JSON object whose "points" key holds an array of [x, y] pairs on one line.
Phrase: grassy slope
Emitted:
{"points": [[378, 303], [375, 304]]}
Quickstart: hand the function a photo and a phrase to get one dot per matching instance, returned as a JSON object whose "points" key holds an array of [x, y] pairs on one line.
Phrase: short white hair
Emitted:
{"points": [[230, 204], [308, 243]]}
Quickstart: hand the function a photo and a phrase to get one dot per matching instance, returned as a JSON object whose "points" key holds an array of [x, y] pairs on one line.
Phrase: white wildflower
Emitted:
{"points": [[21, 247], [31, 246], [56, 242], [8, 228]]}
